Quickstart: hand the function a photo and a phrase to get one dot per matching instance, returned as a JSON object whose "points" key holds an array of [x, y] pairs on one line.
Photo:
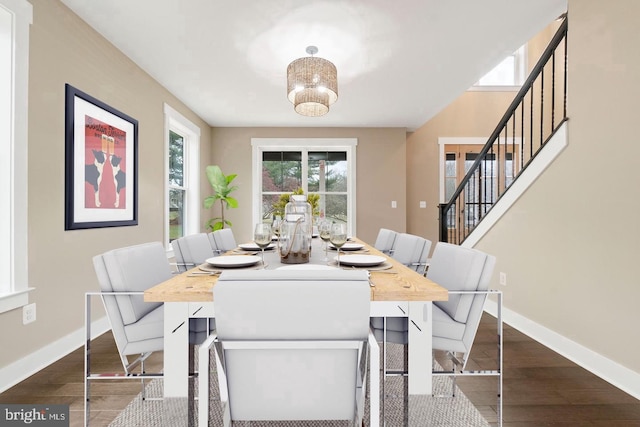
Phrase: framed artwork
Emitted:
{"points": [[101, 164]]}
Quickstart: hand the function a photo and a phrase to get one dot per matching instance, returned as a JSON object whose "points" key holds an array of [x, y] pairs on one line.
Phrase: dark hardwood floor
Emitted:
{"points": [[541, 388]]}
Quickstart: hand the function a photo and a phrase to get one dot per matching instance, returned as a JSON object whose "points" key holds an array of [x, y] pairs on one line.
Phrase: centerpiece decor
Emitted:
{"points": [[294, 242]]}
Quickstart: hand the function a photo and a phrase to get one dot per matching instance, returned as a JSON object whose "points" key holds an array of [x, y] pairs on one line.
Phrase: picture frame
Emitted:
{"points": [[101, 164]]}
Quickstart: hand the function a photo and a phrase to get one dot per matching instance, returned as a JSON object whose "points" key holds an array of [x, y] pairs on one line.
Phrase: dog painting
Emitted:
{"points": [[105, 173]]}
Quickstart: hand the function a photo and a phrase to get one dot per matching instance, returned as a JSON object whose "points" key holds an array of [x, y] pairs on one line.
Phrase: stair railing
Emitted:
{"points": [[537, 111]]}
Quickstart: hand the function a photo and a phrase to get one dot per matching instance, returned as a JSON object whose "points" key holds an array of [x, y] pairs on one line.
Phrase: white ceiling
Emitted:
{"points": [[399, 62]]}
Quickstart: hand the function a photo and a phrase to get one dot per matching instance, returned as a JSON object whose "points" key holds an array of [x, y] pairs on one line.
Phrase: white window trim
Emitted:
{"points": [[175, 121], [259, 145], [14, 251], [520, 65]]}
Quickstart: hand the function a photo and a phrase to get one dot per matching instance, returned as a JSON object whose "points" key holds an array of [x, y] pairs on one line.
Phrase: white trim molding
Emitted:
{"points": [[174, 121], [16, 18], [348, 145], [545, 157], [28, 365], [623, 378]]}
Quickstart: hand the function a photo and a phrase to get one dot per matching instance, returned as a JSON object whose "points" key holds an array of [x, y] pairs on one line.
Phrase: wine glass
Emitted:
{"points": [[338, 236], [277, 223], [324, 228], [262, 237]]}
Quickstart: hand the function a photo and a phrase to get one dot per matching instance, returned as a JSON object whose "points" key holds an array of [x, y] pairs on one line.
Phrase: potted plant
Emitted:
{"points": [[221, 185]]}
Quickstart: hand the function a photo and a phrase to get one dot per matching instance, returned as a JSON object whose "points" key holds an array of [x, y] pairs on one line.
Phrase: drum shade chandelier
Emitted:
{"points": [[312, 84]]}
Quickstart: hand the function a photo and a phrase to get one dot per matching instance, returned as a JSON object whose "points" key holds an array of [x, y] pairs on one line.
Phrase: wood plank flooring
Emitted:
{"points": [[541, 388]]}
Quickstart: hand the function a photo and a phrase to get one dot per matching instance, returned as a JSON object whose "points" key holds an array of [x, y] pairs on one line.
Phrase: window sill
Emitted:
{"points": [[12, 300]]}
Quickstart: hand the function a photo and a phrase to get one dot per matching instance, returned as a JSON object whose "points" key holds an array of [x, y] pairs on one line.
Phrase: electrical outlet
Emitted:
{"points": [[503, 278], [29, 313], [394, 204], [423, 204]]}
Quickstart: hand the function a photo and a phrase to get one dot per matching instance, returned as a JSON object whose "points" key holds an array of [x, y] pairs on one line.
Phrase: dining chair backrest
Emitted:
{"points": [[137, 325], [460, 269], [411, 250], [284, 357], [192, 250], [385, 240], [225, 240], [214, 244]]}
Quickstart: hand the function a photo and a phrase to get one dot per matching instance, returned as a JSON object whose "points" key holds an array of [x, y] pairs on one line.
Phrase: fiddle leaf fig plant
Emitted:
{"points": [[222, 187]]}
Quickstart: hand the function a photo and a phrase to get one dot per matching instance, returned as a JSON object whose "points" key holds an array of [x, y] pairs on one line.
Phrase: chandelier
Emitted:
{"points": [[312, 84]]}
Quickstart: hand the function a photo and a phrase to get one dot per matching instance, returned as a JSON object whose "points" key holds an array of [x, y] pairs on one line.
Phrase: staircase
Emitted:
{"points": [[537, 112]]}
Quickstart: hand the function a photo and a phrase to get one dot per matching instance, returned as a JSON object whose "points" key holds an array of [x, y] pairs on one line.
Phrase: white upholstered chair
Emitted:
{"points": [[385, 240], [225, 240], [280, 357], [137, 326], [466, 273], [412, 251], [192, 250]]}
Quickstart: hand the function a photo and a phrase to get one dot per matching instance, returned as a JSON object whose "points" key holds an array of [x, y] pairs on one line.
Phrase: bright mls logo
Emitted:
{"points": [[34, 415]]}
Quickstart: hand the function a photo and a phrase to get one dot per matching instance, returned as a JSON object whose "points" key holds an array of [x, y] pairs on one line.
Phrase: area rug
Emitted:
{"points": [[438, 411]]}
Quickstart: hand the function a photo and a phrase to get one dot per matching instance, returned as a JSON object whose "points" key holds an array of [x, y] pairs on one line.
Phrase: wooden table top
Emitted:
{"points": [[398, 283]]}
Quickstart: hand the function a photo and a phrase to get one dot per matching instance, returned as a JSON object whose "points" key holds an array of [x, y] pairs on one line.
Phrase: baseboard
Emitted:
{"points": [[623, 378], [25, 367]]}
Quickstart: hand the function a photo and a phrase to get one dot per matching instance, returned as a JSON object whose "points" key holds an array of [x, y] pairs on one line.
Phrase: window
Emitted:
{"points": [[322, 166], [509, 74], [183, 171], [15, 18]]}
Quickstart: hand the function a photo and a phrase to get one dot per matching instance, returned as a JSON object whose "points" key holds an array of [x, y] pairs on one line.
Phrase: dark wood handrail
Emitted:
{"points": [[518, 100]]}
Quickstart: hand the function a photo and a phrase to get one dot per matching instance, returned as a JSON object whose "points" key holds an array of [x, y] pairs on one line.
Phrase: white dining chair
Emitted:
{"points": [[466, 273], [286, 359], [225, 240], [192, 250], [412, 251], [385, 241], [137, 326]]}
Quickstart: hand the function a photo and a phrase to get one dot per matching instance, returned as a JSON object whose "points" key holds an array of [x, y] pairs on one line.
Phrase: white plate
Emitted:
{"points": [[361, 260], [306, 267], [348, 246], [251, 246], [234, 260]]}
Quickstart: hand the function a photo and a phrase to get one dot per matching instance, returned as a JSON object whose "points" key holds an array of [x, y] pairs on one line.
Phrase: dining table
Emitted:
{"points": [[396, 291]]}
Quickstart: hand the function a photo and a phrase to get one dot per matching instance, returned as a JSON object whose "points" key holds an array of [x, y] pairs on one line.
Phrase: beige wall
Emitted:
{"points": [[569, 245], [473, 114], [65, 50], [573, 268], [380, 172]]}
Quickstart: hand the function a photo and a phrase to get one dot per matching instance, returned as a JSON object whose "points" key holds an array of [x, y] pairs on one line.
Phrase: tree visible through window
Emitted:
{"points": [[323, 166], [177, 188], [182, 201], [326, 175]]}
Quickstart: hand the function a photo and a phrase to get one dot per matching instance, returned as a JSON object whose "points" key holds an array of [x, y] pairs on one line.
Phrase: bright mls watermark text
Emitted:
{"points": [[34, 415]]}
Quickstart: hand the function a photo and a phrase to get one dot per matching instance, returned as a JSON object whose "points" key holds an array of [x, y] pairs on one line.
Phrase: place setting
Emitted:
{"points": [[216, 265], [362, 261], [251, 248], [261, 241]]}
